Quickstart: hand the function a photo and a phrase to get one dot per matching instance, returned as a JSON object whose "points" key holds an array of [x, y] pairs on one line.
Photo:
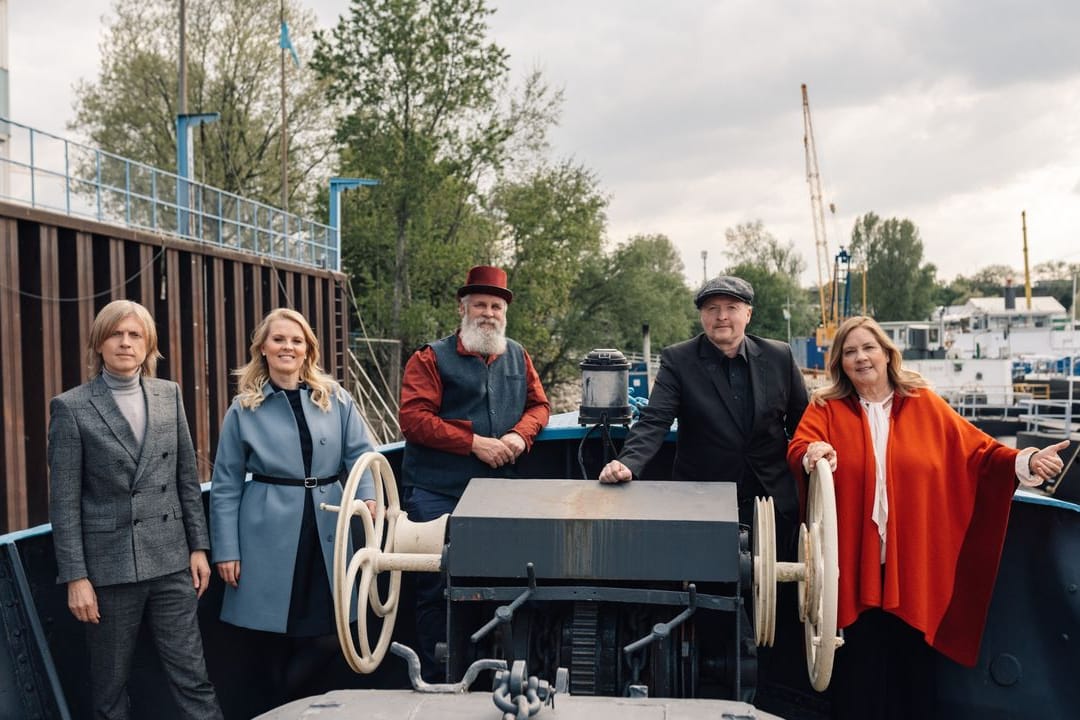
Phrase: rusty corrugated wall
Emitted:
{"points": [[56, 272]]}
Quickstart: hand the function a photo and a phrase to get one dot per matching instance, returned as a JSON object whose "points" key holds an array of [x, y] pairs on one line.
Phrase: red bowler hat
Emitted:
{"points": [[488, 280]]}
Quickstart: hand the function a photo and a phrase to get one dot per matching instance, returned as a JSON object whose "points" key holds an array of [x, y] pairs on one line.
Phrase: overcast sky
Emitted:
{"points": [[956, 114]]}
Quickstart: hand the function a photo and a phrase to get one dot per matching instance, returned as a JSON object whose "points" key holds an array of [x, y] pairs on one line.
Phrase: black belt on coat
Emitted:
{"points": [[308, 482]]}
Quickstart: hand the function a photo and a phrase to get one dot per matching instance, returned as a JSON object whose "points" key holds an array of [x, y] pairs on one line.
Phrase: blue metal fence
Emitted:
{"points": [[49, 172]]}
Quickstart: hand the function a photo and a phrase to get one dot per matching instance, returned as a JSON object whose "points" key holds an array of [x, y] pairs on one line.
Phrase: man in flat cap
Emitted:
{"points": [[471, 404], [738, 399]]}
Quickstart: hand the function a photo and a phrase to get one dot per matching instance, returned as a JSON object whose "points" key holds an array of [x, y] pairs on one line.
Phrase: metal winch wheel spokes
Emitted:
{"points": [[391, 544], [817, 573]]}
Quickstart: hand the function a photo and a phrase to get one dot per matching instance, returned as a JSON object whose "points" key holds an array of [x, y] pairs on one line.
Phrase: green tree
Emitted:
{"points": [[990, 280], [551, 228], [956, 292], [1056, 278], [420, 85], [751, 244], [773, 268], [773, 294], [647, 286], [233, 69], [899, 285]]}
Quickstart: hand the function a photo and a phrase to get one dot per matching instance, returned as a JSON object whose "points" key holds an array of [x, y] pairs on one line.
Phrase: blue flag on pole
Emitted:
{"points": [[286, 44]]}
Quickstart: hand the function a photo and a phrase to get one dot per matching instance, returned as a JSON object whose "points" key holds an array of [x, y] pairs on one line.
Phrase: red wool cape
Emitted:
{"points": [[950, 488]]}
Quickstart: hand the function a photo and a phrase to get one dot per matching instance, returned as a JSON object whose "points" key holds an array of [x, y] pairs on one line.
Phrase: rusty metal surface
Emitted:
{"points": [[117, 291], [11, 376], [402, 704], [52, 380], [200, 430], [59, 271], [580, 529], [84, 291], [218, 358]]}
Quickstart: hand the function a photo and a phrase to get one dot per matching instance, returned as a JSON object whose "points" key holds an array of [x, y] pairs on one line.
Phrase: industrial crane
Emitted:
{"points": [[831, 283]]}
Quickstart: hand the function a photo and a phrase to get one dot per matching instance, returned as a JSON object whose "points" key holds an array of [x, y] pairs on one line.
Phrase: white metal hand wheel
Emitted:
{"points": [[822, 577], [384, 533], [764, 571], [817, 573]]}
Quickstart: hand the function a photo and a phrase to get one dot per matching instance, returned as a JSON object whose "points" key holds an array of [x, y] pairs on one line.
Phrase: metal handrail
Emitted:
{"points": [[52, 173]]}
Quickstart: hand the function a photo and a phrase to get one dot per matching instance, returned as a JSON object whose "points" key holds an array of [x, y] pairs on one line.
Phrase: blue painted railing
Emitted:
{"points": [[52, 173]]}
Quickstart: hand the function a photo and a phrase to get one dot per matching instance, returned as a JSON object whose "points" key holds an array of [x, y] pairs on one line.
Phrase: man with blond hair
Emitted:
{"points": [[126, 509]]}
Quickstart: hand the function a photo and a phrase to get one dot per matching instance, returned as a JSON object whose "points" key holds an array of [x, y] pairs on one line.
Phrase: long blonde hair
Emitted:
{"points": [[106, 321], [905, 383], [254, 376]]}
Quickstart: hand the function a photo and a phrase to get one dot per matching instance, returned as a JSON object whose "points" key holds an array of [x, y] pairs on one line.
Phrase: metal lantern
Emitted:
{"points": [[605, 376]]}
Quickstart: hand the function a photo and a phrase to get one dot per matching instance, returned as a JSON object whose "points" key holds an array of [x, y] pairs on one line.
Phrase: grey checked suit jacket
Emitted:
{"points": [[121, 514]]}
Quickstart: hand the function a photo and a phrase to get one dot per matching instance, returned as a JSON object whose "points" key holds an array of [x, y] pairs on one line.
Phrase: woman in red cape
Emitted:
{"points": [[922, 503]]}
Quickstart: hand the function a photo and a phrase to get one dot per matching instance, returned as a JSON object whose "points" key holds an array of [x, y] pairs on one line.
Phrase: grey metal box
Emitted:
{"points": [[582, 530]]}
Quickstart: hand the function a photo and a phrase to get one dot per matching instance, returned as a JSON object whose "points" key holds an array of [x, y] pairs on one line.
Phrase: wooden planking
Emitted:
{"points": [[320, 312], [333, 359], [257, 310], [220, 377], [305, 296], [173, 320], [17, 513], [97, 259], [197, 349], [240, 338], [51, 346], [84, 291], [146, 277], [117, 276]]}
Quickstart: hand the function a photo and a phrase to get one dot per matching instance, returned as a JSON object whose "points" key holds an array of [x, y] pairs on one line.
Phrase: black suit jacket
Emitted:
{"points": [[692, 387]]}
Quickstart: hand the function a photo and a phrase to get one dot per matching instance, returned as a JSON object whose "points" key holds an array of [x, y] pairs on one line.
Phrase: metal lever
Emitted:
{"points": [[505, 613], [418, 684], [661, 631]]}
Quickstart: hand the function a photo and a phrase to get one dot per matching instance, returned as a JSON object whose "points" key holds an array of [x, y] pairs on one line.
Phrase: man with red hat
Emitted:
{"points": [[471, 404]]}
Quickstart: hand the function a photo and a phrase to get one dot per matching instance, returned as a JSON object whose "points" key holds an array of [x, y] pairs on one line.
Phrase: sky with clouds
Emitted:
{"points": [[955, 114]]}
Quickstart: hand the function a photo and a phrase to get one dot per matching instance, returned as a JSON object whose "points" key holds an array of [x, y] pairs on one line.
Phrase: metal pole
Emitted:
{"points": [[1027, 272], [1073, 326], [704, 267], [181, 128], [284, 130], [181, 104]]}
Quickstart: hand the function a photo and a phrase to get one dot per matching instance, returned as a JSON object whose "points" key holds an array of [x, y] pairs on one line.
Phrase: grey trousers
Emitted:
{"points": [[169, 604]]}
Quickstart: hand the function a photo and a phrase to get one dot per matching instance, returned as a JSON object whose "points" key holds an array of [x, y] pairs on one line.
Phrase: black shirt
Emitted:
{"points": [[311, 609], [737, 371]]}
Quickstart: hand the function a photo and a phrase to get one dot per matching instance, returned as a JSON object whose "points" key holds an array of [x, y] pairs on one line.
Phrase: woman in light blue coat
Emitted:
{"points": [[296, 432]]}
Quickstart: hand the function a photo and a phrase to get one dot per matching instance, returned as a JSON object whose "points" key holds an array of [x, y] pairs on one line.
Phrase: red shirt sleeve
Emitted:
{"points": [[537, 407], [421, 398]]}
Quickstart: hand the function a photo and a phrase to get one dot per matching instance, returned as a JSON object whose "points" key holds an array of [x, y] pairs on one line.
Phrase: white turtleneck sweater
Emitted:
{"points": [[129, 397]]}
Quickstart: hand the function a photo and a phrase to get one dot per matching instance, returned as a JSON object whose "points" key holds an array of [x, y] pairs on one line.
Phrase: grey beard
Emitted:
{"points": [[482, 340]]}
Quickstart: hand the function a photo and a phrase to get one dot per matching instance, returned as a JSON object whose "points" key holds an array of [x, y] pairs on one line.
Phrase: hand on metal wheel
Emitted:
{"points": [[366, 562]]}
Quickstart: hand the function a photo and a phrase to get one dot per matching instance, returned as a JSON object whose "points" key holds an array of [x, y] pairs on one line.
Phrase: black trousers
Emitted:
{"points": [[883, 670], [423, 505]]}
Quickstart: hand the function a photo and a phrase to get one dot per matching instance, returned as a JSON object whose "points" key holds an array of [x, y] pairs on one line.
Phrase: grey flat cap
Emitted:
{"points": [[730, 285]]}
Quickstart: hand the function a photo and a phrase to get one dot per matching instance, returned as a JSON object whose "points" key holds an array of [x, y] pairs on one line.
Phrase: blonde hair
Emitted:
{"points": [[255, 374], [905, 383], [106, 321]]}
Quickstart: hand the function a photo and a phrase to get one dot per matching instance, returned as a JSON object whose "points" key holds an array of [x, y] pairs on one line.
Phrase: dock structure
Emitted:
{"points": [[58, 270]]}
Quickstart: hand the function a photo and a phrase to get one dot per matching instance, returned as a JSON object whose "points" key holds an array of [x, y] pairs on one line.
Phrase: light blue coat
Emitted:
{"points": [[259, 523]]}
